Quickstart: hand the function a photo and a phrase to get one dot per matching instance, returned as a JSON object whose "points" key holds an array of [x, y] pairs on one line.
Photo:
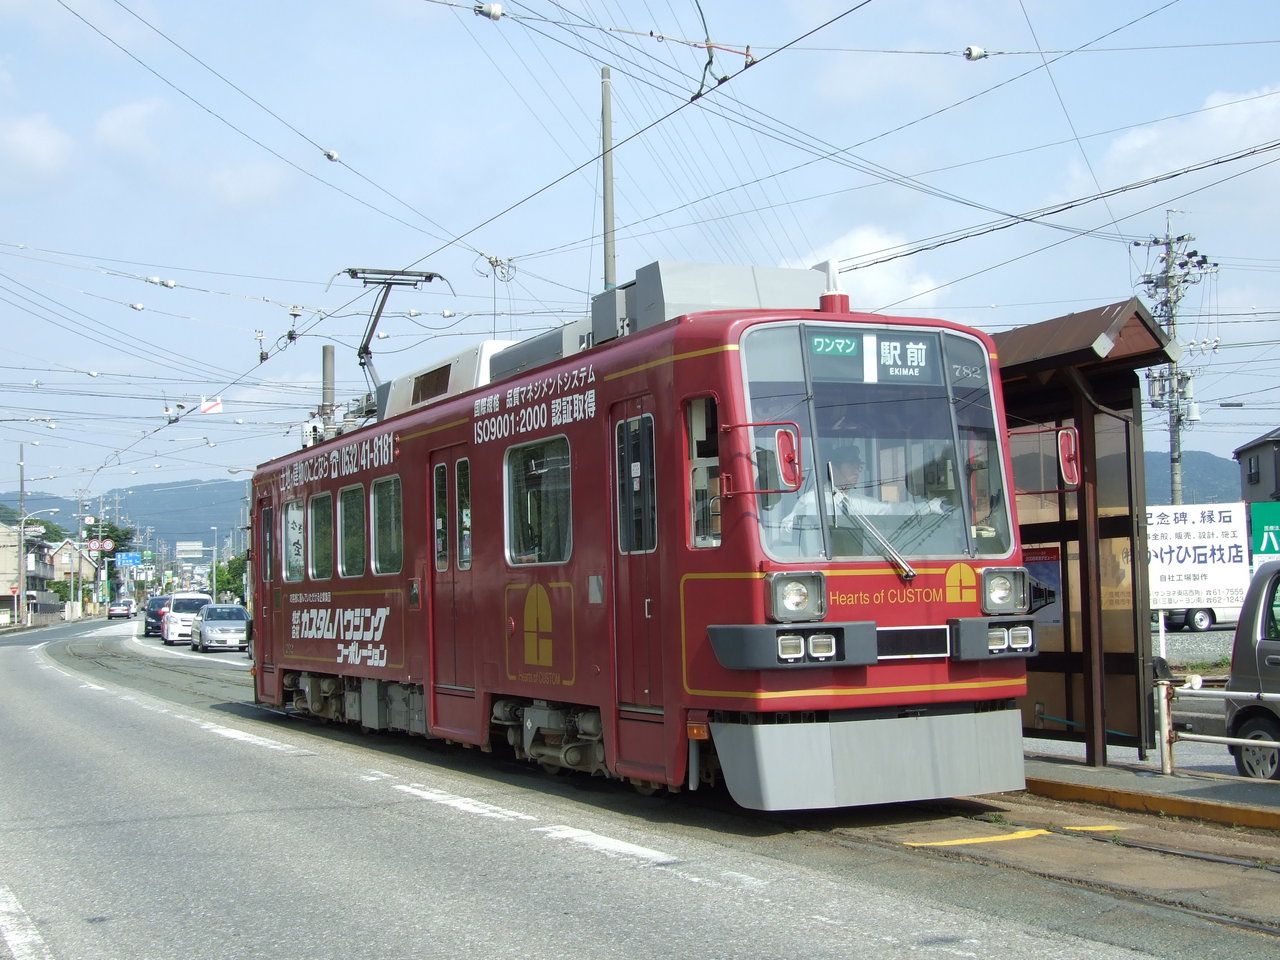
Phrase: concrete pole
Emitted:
{"points": [[606, 167]]}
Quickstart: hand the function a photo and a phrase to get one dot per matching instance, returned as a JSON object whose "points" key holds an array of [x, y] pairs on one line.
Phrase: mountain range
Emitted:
{"points": [[159, 513], [186, 511]]}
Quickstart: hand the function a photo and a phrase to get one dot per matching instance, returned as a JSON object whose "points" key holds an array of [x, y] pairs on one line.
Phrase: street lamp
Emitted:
{"points": [[23, 614], [215, 563]]}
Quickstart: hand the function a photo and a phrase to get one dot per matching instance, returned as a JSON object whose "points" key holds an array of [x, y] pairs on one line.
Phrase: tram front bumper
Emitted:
{"points": [[840, 763]]}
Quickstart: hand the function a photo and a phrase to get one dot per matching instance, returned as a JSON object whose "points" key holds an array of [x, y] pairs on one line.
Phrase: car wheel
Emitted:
{"points": [[1199, 620], [1261, 763]]}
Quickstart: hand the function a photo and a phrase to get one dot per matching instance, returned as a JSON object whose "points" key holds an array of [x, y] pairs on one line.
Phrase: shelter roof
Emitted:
{"points": [[1118, 336]]}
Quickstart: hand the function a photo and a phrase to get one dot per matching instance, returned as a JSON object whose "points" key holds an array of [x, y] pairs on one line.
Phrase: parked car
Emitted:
{"points": [[221, 625], [153, 618], [122, 610], [1198, 619], [1255, 669], [183, 607]]}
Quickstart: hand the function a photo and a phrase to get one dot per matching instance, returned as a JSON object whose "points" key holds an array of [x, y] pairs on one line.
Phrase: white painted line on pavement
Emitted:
{"points": [[18, 931], [464, 804], [609, 846]]}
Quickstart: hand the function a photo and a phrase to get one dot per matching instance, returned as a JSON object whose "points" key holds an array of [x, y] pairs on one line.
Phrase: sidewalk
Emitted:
{"points": [[1220, 798]]}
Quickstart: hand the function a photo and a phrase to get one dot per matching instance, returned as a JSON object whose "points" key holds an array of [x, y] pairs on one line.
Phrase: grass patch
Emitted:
{"points": [[1212, 667]]}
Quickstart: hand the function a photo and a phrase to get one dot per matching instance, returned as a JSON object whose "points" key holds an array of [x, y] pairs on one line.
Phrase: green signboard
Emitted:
{"points": [[1264, 532]]}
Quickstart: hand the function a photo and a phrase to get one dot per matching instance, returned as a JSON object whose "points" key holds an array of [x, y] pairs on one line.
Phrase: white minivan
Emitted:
{"points": [[183, 608]]}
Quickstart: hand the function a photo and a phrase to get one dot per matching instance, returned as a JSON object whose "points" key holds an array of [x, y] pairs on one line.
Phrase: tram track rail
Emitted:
{"points": [[1221, 915], [1139, 857]]}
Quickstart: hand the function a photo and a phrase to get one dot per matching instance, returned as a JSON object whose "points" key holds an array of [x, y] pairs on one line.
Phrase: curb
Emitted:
{"points": [[1161, 804]]}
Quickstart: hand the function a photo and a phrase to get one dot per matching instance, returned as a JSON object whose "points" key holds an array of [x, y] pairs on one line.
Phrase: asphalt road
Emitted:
{"points": [[148, 811]]}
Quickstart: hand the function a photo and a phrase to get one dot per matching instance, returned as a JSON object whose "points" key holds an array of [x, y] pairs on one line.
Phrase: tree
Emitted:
{"points": [[121, 537], [52, 532], [233, 572], [121, 540]]}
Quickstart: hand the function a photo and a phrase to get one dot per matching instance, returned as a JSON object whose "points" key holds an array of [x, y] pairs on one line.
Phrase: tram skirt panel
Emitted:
{"points": [[850, 763]]}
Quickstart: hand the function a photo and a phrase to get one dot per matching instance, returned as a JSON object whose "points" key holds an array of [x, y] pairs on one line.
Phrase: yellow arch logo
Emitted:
{"points": [[962, 584], [537, 627]]}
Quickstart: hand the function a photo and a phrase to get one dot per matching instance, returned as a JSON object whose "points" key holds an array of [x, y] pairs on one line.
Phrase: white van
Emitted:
{"points": [[183, 608]]}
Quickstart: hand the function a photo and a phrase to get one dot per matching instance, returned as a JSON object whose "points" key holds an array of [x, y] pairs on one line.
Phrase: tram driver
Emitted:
{"points": [[849, 497]]}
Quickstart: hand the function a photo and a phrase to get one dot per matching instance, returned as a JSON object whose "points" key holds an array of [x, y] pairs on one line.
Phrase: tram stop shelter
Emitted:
{"points": [[1092, 679]]}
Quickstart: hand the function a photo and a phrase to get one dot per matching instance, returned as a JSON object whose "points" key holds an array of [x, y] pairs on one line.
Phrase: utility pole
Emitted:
{"points": [[606, 177], [1171, 387]]}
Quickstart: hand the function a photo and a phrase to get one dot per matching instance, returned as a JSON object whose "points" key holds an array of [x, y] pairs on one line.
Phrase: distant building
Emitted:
{"points": [[38, 560], [74, 562], [1260, 468]]}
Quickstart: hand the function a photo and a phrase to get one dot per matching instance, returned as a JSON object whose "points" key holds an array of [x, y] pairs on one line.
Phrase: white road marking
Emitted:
{"points": [[463, 804], [17, 930], [609, 846]]}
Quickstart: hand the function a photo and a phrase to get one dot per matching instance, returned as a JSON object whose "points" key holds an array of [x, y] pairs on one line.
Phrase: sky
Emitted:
{"points": [[184, 187]]}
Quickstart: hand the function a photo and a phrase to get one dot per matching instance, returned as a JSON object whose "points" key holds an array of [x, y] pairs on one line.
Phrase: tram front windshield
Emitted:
{"points": [[899, 444]]}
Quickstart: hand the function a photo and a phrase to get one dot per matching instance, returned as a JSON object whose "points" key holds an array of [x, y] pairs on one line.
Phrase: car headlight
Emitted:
{"points": [[797, 596], [1004, 590]]}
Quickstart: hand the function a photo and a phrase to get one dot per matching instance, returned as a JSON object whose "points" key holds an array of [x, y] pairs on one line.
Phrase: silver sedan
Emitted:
{"points": [[221, 625]]}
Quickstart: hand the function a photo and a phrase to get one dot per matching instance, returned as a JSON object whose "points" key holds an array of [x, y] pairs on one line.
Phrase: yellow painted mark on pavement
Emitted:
{"points": [[1098, 829], [1020, 835]]}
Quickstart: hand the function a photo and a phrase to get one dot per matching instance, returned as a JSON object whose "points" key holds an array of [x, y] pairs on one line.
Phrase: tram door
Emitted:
{"points": [[638, 630], [453, 655], [267, 608]]}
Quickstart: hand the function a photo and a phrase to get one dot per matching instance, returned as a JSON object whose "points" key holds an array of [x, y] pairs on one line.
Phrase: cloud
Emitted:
{"points": [[127, 129], [31, 148], [878, 286], [1229, 122], [247, 183]]}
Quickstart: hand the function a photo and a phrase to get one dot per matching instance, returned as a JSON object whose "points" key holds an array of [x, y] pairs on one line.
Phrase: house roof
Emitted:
{"points": [[1271, 436]]}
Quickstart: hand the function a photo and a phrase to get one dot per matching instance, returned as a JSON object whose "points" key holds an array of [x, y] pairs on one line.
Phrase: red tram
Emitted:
{"points": [[730, 540]]}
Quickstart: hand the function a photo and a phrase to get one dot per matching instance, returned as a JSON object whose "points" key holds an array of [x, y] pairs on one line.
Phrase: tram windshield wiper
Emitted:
{"points": [[887, 550]]}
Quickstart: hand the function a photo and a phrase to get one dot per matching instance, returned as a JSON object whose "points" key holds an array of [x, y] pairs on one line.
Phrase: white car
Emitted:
{"points": [[183, 608]]}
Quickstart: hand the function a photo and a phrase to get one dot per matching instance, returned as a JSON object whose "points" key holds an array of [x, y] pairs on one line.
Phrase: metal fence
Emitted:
{"points": [[1167, 693]]}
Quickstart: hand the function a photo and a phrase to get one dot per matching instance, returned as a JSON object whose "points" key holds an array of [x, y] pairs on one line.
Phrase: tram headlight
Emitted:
{"points": [[797, 596], [790, 646], [1021, 637], [822, 646], [1004, 590]]}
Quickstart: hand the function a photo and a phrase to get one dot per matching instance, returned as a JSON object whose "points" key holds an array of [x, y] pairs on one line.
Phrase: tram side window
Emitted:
{"points": [[703, 432], [351, 531], [539, 523], [268, 564], [293, 541], [388, 526], [463, 474], [637, 496], [321, 539], [440, 515], [979, 460]]}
